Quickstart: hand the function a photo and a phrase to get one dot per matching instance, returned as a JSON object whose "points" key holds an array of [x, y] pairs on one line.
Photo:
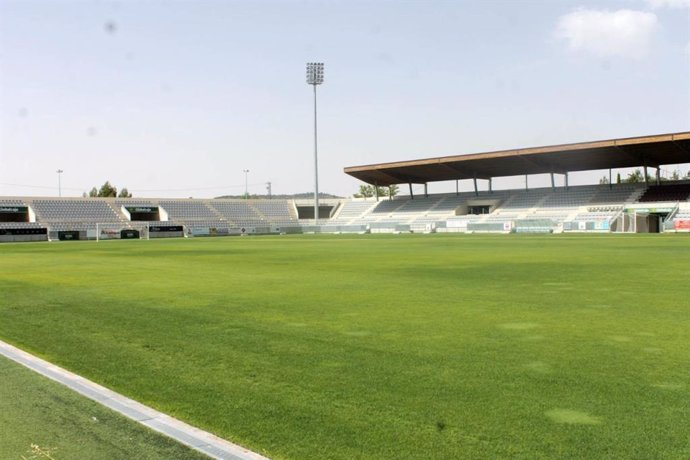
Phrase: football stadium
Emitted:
{"points": [[546, 322]]}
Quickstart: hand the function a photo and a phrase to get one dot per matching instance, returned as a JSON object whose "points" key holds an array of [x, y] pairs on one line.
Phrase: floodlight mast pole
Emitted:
{"points": [[246, 184], [316, 167], [59, 173], [314, 78]]}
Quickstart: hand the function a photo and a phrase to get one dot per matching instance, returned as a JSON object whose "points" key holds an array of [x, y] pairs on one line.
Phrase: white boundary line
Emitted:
{"points": [[195, 438]]}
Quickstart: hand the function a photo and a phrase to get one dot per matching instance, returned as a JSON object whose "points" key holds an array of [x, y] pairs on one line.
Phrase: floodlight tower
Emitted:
{"points": [[246, 184], [59, 173], [314, 78]]}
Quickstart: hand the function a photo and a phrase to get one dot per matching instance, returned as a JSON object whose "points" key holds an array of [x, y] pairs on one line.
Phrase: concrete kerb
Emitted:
{"points": [[200, 440]]}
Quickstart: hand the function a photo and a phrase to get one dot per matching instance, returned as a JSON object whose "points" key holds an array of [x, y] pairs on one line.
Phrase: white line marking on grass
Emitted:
{"points": [[200, 440]]}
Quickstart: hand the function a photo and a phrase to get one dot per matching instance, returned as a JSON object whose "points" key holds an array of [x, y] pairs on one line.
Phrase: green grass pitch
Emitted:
{"points": [[372, 346], [35, 411]]}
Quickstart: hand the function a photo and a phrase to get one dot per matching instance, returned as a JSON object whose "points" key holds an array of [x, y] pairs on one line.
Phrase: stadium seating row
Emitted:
{"points": [[523, 209]]}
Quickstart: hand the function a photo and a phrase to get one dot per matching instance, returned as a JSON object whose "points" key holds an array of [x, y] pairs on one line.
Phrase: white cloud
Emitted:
{"points": [[669, 3], [605, 34]]}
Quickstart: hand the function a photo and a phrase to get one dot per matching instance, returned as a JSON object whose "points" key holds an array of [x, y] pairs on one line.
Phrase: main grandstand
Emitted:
{"points": [[649, 206]]}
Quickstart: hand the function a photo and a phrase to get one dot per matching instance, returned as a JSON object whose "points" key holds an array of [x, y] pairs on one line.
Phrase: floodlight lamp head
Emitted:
{"points": [[314, 73]]}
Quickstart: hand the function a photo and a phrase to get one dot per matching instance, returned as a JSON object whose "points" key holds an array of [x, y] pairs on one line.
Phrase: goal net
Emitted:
{"points": [[120, 231]]}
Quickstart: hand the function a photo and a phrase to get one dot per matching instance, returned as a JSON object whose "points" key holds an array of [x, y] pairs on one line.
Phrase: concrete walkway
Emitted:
{"points": [[195, 438]]}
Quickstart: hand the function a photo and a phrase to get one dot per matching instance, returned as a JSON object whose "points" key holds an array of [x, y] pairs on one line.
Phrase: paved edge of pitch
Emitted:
{"points": [[197, 439]]}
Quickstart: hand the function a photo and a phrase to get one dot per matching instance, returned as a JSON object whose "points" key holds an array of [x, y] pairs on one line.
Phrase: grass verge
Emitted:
{"points": [[41, 419]]}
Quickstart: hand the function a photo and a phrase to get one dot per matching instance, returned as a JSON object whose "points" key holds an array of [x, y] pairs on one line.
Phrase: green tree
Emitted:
{"points": [[604, 180], [365, 191], [107, 190], [124, 193], [618, 178], [368, 191], [635, 177]]}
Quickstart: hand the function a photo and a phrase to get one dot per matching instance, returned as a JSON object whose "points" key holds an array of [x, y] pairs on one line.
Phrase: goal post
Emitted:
{"points": [[120, 230]]}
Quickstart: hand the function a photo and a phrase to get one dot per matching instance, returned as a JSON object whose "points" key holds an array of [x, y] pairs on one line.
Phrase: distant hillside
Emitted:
{"points": [[294, 196]]}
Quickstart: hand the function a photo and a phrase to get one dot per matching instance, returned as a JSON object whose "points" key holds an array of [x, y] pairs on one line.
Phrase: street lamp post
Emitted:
{"points": [[59, 173], [246, 188], [314, 78]]}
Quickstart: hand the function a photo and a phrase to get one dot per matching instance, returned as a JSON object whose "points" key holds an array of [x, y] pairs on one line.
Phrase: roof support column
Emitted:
{"points": [[476, 191], [376, 190], [426, 190], [658, 175], [566, 181], [646, 179], [610, 178], [491, 190], [553, 182], [457, 189], [411, 194], [526, 183]]}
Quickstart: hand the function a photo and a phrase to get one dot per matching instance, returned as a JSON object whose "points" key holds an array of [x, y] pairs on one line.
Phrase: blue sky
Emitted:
{"points": [[178, 98]]}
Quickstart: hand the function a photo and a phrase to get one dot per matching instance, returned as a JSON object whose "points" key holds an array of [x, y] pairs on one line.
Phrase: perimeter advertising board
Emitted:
{"points": [[129, 234], [68, 235], [13, 209], [9, 235], [682, 224], [601, 225], [461, 224], [166, 231], [24, 231], [211, 231], [109, 234]]}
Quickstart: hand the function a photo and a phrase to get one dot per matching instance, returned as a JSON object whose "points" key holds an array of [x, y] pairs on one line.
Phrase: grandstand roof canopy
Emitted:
{"points": [[583, 156]]}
